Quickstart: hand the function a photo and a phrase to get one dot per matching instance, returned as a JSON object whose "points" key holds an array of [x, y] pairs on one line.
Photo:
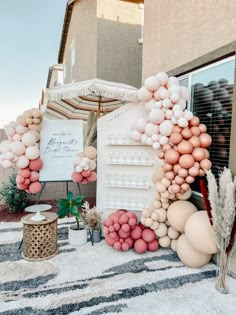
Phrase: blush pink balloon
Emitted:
{"points": [[136, 233], [36, 165], [153, 246], [86, 173], [34, 177], [140, 246], [35, 187], [92, 177], [148, 235], [76, 177]]}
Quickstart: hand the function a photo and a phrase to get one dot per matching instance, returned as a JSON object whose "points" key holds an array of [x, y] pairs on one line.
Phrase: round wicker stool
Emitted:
{"points": [[39, 238]]}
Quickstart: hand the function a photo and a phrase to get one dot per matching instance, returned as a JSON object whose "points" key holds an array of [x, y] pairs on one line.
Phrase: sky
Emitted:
{"points": [[30, 33]]}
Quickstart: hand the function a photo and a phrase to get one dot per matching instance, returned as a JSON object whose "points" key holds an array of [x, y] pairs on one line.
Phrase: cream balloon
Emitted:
{"points": [[199, 233], [189, 255]]}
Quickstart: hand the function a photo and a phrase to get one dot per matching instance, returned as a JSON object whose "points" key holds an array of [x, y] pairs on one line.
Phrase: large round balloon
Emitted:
{"points": [[199, 233]]}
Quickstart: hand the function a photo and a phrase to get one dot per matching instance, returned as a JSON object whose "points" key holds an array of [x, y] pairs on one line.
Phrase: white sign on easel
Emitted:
{"points": [[60, 140]]}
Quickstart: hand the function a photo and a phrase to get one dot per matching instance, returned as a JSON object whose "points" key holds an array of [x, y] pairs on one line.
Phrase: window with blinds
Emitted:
{"points": [[211, 90]]}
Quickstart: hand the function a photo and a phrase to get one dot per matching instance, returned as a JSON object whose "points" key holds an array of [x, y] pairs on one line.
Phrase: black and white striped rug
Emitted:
{"points": [[99, 280]]}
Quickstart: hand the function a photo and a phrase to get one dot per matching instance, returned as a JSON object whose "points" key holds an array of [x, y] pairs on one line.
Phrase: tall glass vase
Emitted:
{"points": [[222, 272]]}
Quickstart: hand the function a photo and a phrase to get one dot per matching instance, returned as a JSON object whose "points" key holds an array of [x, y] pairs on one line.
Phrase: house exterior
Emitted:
{"points": [[196, 41], [101, 39]]}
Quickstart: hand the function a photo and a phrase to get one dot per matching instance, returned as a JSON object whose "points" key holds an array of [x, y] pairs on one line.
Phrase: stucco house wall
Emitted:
{"points": [[176, 33]]}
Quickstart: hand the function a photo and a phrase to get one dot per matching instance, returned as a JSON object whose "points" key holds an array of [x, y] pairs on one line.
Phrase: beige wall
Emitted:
{"points": [[177, 32], [82, 30], [119, 53], [106, 34]]}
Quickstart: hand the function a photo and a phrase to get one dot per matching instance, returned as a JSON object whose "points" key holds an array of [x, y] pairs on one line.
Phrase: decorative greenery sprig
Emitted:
{"points": [[223, 207]]}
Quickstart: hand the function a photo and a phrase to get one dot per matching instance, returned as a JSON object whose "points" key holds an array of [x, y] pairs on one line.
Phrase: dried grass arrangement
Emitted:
{"points": [[223, 212], [91, 217]]}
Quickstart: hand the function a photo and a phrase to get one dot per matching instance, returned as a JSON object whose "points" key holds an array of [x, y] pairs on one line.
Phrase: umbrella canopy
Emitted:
{"points": [[77, 100]]}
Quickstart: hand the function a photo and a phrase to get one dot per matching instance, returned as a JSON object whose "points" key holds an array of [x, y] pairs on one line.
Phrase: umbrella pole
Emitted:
{"points": [[99, 106]]}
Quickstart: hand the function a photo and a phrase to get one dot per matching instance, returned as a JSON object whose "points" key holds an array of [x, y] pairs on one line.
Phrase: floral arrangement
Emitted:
{"points": [[223, 217], [91, 217]]}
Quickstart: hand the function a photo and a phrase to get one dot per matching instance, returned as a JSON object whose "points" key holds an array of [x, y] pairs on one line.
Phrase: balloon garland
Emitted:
{"points": [[84, 166], [21, 150], [181, 143]]}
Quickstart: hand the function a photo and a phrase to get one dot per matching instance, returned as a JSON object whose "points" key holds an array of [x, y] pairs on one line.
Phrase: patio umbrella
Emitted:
{"points": [[77, 100]]}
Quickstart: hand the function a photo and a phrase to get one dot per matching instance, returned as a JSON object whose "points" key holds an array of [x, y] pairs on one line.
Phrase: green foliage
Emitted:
{"points": [[70, 206], [13, 197]]}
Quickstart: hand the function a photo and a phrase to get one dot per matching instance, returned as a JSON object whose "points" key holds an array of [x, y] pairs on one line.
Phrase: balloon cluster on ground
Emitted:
{"points": [[123, 232], [21, 150], [84, 166]]}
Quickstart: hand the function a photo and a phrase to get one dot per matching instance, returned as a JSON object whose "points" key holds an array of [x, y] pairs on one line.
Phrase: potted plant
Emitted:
{"points": [[92, 218], [70, 206]]}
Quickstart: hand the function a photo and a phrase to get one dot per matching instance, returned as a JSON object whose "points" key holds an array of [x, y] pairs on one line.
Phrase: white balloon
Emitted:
{"points": [[174, 120], [178, 113], [172, 81], [166, 128], [182, 122], [82, 164], [188, 115], [182, 103], [155, 137], [157, 95], [175, 97], [158, 104], [6, 164], [175, 88], [176, 107], [163, 140], [164, 94], [141, 124], [136, 135], [152, 83], [144, 138], [156, 116], [149, 141], [144, 94], [169, 114], [9, 156], [167, 103], [148, 105], [150, 129], [156, 145], [78, 168], [163, 77]]}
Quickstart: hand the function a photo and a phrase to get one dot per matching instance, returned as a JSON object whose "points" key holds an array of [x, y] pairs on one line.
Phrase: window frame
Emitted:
{"points": [[188, 75]]}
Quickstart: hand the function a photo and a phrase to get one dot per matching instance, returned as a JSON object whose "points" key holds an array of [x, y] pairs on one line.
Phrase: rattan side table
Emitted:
{"points": [[39, 238]]}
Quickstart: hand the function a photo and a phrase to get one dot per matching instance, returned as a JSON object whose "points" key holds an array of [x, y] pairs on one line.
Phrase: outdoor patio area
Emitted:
{"points": [[100, 280]]}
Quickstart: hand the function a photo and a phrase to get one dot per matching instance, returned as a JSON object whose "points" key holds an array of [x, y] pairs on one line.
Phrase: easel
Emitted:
{"points": [[67, 189]]}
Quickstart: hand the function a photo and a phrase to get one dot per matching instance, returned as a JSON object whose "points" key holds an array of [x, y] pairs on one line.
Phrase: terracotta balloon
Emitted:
{"points": [[185, 147], [171, 156], [194, 121], [198, 154], [186, 161], [176, 137], [205, 140]]}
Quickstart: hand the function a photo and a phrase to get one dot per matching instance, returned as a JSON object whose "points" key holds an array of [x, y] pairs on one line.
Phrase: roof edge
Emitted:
{"points": [[65, 28]]}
